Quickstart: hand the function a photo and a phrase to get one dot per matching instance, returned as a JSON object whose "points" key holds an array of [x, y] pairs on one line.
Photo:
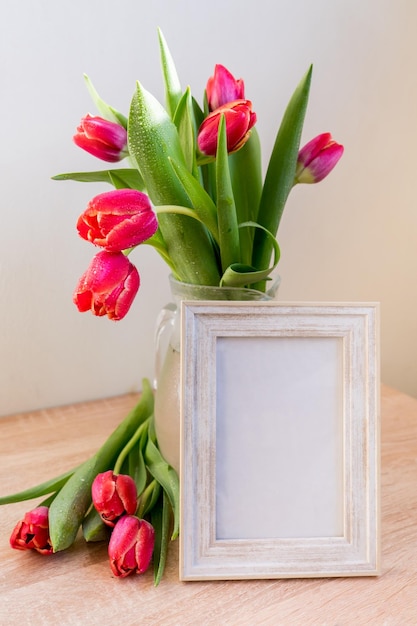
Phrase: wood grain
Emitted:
{"points": [[77, 586]]}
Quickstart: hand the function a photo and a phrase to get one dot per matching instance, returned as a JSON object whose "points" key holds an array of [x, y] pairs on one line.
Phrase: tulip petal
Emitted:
{"points": [[108, 287], [104, 139], [239, 120], [223, 88], [317, 159], [131, 546], [32, 533]]}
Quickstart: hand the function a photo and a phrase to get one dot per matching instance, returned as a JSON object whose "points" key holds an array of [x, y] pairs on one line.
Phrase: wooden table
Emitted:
{"points": [[76, 586]]}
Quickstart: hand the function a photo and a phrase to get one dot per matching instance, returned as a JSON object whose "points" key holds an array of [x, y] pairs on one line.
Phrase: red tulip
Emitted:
{"points": [[108, 287], [223, 88], [101, 138], [317, 159], [131, 546], [239, 119], [113, 495], [118, 219], [32, 533]]}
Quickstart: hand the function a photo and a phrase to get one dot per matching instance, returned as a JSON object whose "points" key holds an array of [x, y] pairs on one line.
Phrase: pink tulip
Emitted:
{"points": [[317, 159], [131, 546], [101, 138], [108, 287], [113, 496], [118, 219], [223, 88], [239, 119], [32, 533]]}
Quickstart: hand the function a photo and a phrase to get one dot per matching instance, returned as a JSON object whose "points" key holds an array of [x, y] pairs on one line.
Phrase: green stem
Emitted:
{"points": [[148, 498], [128, 447]]}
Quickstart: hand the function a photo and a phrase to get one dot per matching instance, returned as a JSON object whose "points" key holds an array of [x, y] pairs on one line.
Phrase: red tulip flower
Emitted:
{"points": [[131, 546], [113, 496], [108, 287], [239, 119], [117, 220], [223, 88], [317, 159], [32, 533], [101, 138]]}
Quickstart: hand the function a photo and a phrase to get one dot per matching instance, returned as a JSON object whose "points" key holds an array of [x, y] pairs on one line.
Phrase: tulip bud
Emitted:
{"points": [[118, 219], [32, 533], [239, 119], [101, 138], [113, 495], [223, 88], [317, 159], [131, 546], [108, 287]]}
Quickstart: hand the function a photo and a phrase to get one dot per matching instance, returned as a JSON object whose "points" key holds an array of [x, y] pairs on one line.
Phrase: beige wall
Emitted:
{"points": [[352, 237]]}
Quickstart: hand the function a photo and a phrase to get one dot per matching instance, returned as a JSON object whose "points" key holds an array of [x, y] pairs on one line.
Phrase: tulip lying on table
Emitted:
{"points": [[79, 498], [32, 532]]}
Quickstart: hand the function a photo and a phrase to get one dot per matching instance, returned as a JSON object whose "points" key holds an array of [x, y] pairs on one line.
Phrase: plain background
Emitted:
{"points": [[350, 238]]}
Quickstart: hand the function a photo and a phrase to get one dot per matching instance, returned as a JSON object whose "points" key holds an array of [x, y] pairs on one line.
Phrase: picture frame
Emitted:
{"points": [[279, 440]]}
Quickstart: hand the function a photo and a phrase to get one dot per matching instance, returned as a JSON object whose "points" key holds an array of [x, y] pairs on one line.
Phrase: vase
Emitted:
{"points": [[167, 356]]}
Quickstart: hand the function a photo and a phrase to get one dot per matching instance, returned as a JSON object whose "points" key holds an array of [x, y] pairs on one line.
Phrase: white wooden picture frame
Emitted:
{"points": [[279, 440]]}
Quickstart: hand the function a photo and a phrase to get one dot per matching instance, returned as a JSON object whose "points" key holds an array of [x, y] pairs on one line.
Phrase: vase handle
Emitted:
{"points": [[164, 323]]}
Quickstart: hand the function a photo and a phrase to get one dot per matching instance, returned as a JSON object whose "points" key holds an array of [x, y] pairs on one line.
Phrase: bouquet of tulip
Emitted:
{"points": [[194, 190]]}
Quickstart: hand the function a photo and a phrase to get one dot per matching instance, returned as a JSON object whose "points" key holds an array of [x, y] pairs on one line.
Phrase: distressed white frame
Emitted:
{"points": [[353, 549]]}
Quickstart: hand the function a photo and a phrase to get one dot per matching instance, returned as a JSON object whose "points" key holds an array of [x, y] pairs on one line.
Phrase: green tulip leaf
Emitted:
{"points": [[123, 457], [279, 179], [153, 143], [153, 139], [126, 178], [93, 527], [184, 122], [201, 202], [166, 476], [241, 275], [68, 509], [137, 468], [157, 242], [226, 208], [198, 114], [246, 176], [42, 489], [160, 519], [105, 110], [120, 181], [172, 83], [148, 498]]}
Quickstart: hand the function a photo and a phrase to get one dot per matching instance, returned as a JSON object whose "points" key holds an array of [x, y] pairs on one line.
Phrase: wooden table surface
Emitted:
{"points": [[76, 586]]}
